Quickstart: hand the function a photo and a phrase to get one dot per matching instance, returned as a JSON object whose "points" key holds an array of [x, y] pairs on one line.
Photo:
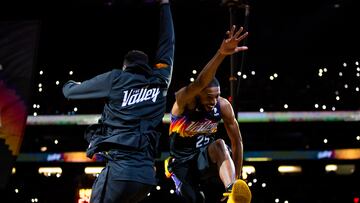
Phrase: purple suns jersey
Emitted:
{"points": [[192, 131]]}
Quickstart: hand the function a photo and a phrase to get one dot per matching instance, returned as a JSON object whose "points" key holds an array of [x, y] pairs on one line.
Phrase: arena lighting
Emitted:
{"points": [[340, 169], [330, 167], [258, 159], [347, 154], [93, 170], [289, 169], [251, 156], [84, 195], [243, 117], [247, 170], [48, 171]]}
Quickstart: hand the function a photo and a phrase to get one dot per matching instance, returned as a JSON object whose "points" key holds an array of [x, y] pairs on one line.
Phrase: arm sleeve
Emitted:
{"points": [[97, 87], [166, 44]]}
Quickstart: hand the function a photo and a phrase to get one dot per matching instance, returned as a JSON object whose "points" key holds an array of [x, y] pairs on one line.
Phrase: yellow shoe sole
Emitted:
{"points": [[240, 193]]}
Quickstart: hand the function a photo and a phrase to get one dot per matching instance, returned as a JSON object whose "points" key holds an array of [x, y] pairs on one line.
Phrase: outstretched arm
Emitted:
{"points": [[166, 44], [97, 87], [228, 46]]}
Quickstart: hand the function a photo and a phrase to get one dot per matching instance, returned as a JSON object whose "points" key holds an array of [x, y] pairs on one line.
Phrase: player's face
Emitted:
{"points": [[208, 97]]}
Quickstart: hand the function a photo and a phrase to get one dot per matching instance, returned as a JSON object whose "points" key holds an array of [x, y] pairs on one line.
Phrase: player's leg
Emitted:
{"points": [[220, 155], [237, 190]]}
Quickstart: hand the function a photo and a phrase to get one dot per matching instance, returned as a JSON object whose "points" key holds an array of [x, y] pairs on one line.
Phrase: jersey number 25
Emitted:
{"points": [[202, 140]]}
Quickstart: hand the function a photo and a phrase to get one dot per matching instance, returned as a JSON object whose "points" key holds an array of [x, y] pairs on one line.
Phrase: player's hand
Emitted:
{"points": [[230, 44]]}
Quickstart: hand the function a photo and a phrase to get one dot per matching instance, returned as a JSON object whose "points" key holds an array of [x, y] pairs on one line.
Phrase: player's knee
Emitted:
{"points": [[220, 146], [218, 151]]}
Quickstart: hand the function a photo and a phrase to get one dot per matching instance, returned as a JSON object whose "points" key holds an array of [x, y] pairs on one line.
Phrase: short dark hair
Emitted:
{"points": [[214, 83], [136, 56]]}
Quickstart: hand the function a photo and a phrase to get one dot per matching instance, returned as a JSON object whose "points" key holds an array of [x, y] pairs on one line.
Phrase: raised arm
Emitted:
{"points": [[97, 87], [228, 46], [166, 44]]}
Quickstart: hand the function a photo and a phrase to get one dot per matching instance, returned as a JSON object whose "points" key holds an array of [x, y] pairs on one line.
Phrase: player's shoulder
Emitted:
{"points": [[223, 101], [225, 107]]}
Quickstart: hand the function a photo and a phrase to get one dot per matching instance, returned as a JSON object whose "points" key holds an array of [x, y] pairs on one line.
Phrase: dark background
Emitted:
{"points": [[291, 38]]}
